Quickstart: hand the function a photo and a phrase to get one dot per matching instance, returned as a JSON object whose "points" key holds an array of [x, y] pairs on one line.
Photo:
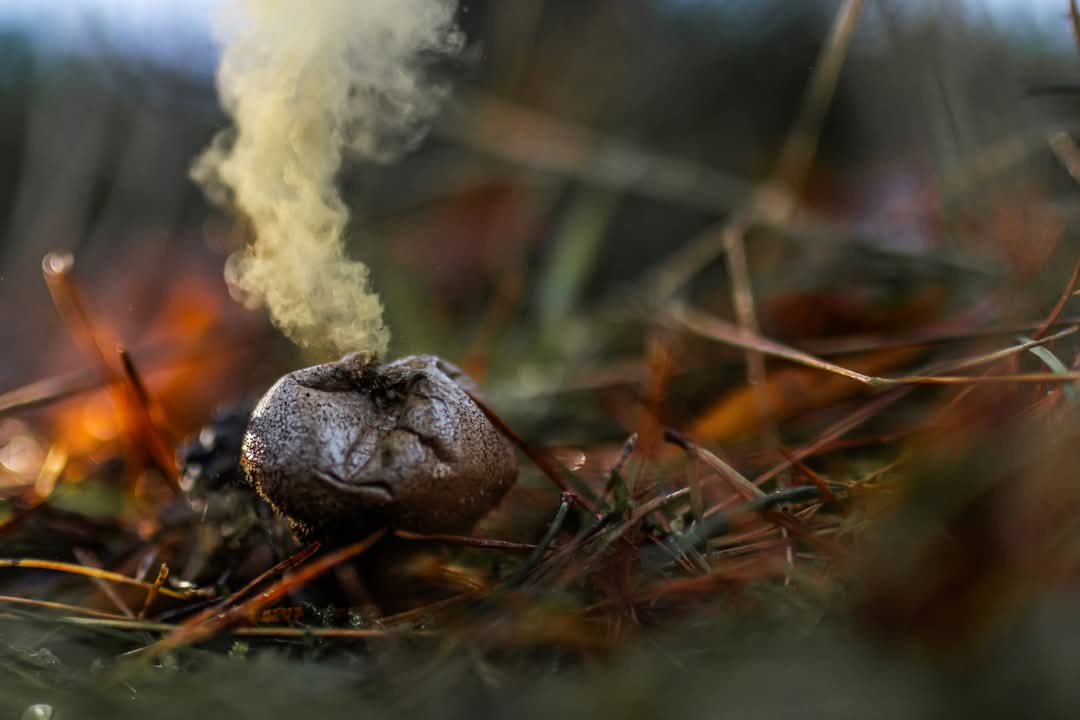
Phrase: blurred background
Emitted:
{"points": [[582, 181], [577, 182], [585, 145]]}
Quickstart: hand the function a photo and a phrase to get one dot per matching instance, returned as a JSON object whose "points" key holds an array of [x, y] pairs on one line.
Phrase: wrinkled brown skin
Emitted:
{"points": [[348, 447]]}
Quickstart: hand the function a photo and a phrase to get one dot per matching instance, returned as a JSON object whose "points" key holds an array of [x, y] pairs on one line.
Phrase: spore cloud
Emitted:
{"points": [[308, 84]]}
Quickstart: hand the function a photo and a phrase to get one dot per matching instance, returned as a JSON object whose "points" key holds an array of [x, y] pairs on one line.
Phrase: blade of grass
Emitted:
{"points": [[1054, 363]]}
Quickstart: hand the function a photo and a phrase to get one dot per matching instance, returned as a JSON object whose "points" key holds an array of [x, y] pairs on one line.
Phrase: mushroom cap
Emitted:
{"points": [[346, 447]]}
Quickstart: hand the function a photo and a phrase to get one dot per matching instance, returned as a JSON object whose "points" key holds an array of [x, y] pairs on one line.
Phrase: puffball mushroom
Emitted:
{"points": [[347, 447]]}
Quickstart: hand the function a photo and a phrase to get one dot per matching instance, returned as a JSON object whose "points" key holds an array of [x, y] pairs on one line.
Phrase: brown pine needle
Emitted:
{"points": [[1066, 152], [155, 443], [738, 482], [284, 566], [851, 344], [832, 433], [1059, 306], [798, 152], [428, 610], [50, 605], [89, 559], [56, 269], [539, 458], [796, 158], [47, 390], [258, 631], [645, 509], [817, 480], [467, 541], [1074, 20], [715, 328], [90, 572], [192, 633], [151, 595], [281, 567]]}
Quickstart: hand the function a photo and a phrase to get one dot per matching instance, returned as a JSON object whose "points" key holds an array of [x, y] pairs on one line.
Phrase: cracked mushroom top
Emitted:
{"points": [[346, 447]]}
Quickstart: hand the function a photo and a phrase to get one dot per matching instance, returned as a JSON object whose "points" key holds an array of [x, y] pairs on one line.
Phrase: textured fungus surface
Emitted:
{"points": [[345, 447]]}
